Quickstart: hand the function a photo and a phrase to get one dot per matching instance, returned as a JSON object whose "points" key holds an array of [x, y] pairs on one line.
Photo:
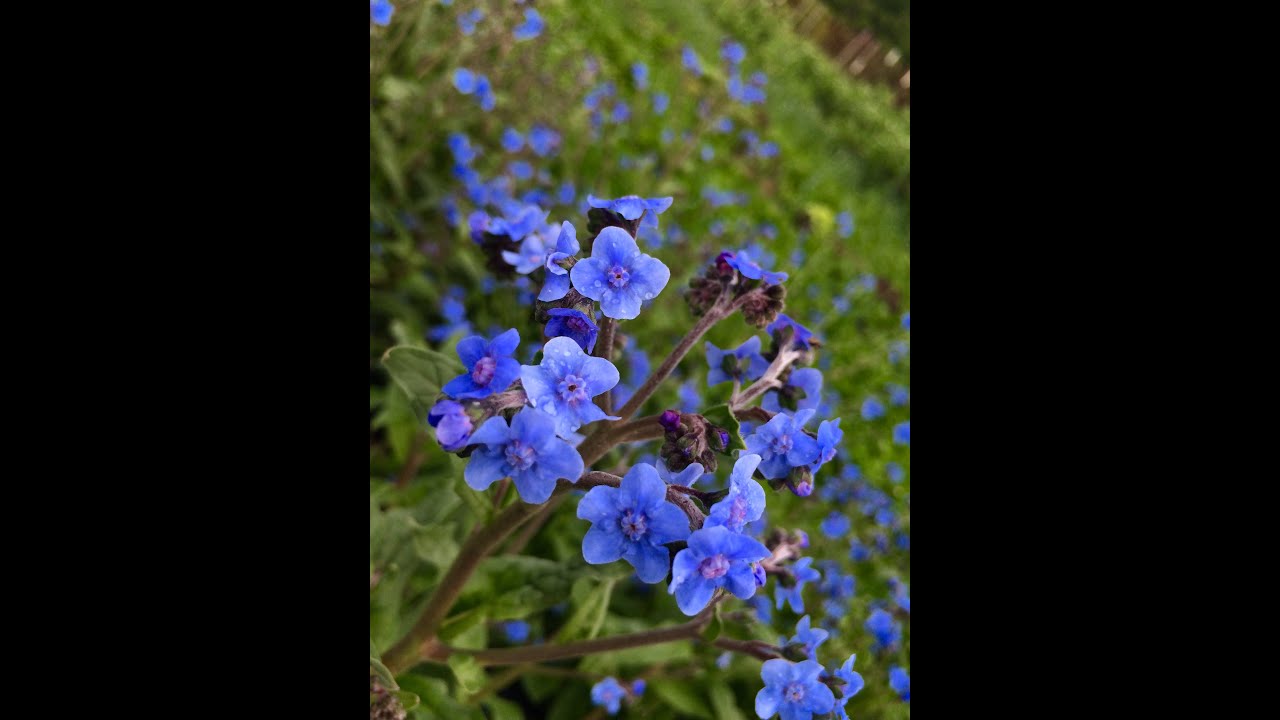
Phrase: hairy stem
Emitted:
{"points": [[547, 652], [604, 349], [754, 648], [715, 314], [769, 380], [480, 544]]}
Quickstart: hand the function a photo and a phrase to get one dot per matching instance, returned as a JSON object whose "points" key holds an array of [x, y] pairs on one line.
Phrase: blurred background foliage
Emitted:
{"points": [[832, 208]]}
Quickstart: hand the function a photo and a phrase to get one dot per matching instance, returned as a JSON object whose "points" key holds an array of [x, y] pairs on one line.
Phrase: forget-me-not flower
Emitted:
{"points": [[556, 285], [744, 503], [564, 383], [566, 322], [452, 424], [618, 274], [902, 433], [632, 522], [715, 558], [809, 637], [852, 683], [531, 27], [742, 262], [829, 437], [608, 694], [900, 681], [783, 444], [884, 629], [380, 11], [527, 451], [807, 380], [543, 140], [490, 365], [634, 206], [801, 335], [743, 363], [793, 691]]}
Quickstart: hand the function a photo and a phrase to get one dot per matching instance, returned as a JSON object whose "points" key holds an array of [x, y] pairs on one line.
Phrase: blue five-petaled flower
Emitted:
{"points": [[721, 371], [490, 366], [900, 681], [608, 694], [807, 379], [715, 558], [527, 451], [793, 690], [633, 206], [619, 275], [557, 283], [853, 683], [742, 262], [809, 637], [564, 383], [783, 444], [632, 522], [745, 501], [380, 11], [829, 437]]}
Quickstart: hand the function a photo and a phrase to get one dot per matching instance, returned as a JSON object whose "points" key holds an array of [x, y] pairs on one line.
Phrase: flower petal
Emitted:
{"points": [[650, 561], [598, 504], [485, 467], [494, 431], [588, 276], [614, 246], [694, 594], [505, 344], [600, 545], [535, 487]]}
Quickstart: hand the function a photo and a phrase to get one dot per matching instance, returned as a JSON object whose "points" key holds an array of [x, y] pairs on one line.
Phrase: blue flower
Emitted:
{"points": [[793, 691], [634, 206], [858, 552], [898, 395], [517, 631], [459, 144], [531, 27], [467, 21], [621, 112], [742, 262], [512, 141], [543, 140], [882, 627], [715, 558], [518, 220], [900, 682], [852, 684], [906, 321], [452, 424], [783, 444], [902, 433], [724, 659], [803, 574], [809, 638], [567, 193], [640, 74], [829, 437], [745, 501], [764, 610], [894, 470], [690, 60], [661, 101], [557, 282], [527, 451], [743, 363], [801, 334], [708, 153], [490, 366], [572, 324], [468, 83], [522, 170], [767, 149], [618, 274], [835, 525], [733, 52], [608, 694], [872, 408], [632, 522], [686, 477], [807, 379], [563, 385], [380, 11], [845, 221]]}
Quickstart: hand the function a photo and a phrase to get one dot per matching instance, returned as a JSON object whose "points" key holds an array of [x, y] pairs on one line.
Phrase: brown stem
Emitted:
{"points": [[546, 653], [769, 380], [754, 648], [715, 314], [480, 544], [604, 349]]}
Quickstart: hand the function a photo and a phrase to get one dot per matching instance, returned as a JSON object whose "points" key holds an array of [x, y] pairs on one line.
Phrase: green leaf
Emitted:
{"points": [[723, 702], [722, 416], [421, 373], [407, 699], [503, 709], [683, 696], [591, 602], [385, 678], [468, 671]]}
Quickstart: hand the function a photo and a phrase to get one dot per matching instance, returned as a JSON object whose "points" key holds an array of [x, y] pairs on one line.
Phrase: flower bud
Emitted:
{"points": [[795, 652]]}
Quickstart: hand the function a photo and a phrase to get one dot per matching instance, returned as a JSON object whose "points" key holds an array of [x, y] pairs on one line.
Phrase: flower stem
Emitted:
{"points": [[715, 314], [405, 653]]}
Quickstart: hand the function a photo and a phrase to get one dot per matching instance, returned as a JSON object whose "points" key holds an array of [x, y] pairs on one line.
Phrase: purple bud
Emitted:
{"points": [[758, 571], [670, 420], [724, 438], [804, 536], [453, 425], [722, 264]]}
